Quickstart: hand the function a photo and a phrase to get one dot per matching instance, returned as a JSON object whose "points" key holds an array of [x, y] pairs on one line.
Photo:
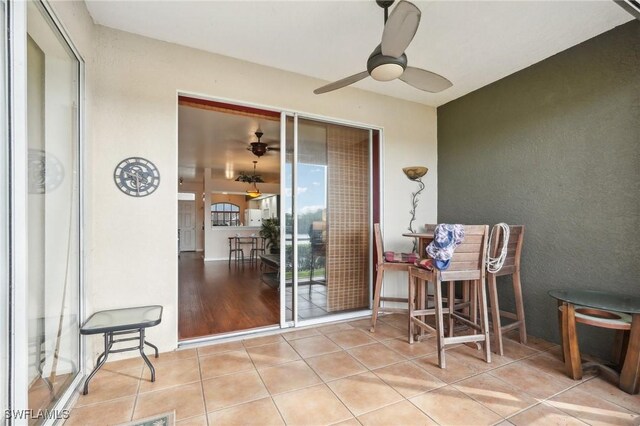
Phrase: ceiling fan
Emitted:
{"points": [[388, 61], [260, 148]]}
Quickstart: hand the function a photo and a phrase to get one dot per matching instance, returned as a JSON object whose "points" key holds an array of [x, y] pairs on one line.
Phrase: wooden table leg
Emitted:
{"points": [[630, 375], [570, 347]]}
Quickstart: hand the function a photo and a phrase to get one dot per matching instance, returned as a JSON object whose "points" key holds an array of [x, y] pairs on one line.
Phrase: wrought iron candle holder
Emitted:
{"points": [[415, 173]]}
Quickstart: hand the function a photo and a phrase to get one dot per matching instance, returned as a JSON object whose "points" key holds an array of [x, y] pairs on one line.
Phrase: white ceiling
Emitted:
{"points": [[472, 43]]}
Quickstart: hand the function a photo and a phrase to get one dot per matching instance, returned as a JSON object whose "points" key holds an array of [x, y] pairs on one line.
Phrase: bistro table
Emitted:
{"points": [[424, 238], [601, 309], [117, 322]]}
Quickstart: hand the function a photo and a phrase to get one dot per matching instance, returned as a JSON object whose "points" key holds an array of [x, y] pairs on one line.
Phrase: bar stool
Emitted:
{"points": [[258, 247], [467, 264], [246, 241], [381, 267], [511, 267], [234, 249]]}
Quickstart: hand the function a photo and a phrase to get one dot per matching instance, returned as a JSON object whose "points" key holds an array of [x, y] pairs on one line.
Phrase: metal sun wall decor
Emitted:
{"points": [[415, 173]]}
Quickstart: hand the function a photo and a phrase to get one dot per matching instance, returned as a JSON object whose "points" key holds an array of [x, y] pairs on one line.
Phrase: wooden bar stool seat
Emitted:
{"points": [[467, 264]]}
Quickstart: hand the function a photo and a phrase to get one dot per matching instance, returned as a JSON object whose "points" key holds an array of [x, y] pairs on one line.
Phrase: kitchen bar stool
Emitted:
{"points": [[234, 249], [467, 264], [510, 267]]}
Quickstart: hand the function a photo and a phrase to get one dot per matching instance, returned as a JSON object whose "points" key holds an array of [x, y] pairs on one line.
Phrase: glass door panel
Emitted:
{"points": [[287, 221], [53, 210], [4, 213]]}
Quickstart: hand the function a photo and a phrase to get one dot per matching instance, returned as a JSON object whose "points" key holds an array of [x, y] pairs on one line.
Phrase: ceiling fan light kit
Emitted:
{"points": [[388, 61]]}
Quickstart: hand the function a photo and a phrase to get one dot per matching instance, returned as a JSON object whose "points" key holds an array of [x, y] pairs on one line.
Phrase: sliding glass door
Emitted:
{"points": [[328, 205], [53, 210]]}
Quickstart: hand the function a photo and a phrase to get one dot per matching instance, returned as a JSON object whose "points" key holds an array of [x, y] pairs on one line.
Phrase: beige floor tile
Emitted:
{"points": [[172, 373], [326, 329], [592, 409], [376, 355], [456, 369], [351, 422], [408, 379], [544, 415], [529, 379], [350, 338], [400, 321], [233, 389], [220, 347], [417, 349], [383, 331], [127, 364], [299, 334], [225, 363], [186, 400], [495, 394], [553, 365], [258, 413], [402, 413], [516, 351], [335, 366], [317, 405], [364, 392], [605, 390], [272, 354], [314, 346], [111, 412], [107, 385], [532, 341], [475, 357], [451, 407], [173, 356], [264, 340], [287, 377], [193, 421]]}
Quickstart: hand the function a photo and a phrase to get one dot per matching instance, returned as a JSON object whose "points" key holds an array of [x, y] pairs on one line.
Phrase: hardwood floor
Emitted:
{"points": [[214, 298]]}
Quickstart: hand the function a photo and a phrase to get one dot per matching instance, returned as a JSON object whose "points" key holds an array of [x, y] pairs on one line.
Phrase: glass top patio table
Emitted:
{"points": [[605, 300], [122, 319]]}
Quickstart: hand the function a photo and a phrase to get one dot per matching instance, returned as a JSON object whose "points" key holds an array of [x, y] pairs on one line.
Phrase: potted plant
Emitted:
{"points": [[271, 232]]}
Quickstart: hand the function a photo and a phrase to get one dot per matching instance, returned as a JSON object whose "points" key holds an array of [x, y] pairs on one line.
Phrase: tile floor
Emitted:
{"points": [[342, 374]]}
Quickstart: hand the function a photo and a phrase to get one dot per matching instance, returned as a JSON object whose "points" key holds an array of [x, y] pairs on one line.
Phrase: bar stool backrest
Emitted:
{"points": [[469, 257], [514, 249]]}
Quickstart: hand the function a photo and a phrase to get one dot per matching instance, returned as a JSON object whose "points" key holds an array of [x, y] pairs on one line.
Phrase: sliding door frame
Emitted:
{"points": [[18, 209]]}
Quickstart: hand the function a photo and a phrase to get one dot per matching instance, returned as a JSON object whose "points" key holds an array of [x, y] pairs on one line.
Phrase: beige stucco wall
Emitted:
{"points": [[133, 112]]}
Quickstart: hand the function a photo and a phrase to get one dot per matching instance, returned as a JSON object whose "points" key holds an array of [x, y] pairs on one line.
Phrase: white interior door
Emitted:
{"points": [[187, 225]]}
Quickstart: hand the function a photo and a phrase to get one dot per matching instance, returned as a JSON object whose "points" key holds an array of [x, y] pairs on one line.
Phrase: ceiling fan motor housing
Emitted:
{"points": [[385, 68], [258, 148]]}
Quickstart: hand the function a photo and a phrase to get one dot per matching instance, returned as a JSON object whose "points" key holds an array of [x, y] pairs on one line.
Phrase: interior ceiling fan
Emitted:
{"points": [[260, 148], [388, 61]]}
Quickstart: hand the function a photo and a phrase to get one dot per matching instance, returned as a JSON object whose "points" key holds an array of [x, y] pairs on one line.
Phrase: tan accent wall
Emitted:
{"points": [[348, 218]]}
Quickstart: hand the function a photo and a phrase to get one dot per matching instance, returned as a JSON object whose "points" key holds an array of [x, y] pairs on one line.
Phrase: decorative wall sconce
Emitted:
{"points": [[415, 173]]}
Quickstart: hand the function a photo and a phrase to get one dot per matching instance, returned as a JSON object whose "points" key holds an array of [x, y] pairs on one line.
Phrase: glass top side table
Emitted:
{"points": [[607, 310], [119, 322]]}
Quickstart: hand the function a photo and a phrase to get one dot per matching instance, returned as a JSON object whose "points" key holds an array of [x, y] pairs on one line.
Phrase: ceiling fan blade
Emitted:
{"points": [[341, 83], [425, 80], [400, 29]]}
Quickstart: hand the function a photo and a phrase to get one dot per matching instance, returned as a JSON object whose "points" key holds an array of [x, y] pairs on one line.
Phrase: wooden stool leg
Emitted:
{"points": [[495, 314], [517, 291], [451, 304], [376, 300], [474, 303], [570, 348], [630, 375], [465, 297], [439, 323], [413, 282], [484, 318]]}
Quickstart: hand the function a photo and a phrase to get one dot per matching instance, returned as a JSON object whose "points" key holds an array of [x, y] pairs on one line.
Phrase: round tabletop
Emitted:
{"points": [[605, 300]]}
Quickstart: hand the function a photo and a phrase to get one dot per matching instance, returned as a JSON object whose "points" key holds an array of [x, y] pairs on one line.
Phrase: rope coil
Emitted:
{"points": [[494, 264]]}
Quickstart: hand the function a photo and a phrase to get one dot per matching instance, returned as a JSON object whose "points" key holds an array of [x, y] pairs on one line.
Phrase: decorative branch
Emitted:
{"points": [[414, 206]]}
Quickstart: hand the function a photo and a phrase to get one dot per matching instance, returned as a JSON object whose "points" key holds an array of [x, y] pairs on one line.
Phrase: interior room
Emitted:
{"points": [[380, 212]]}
